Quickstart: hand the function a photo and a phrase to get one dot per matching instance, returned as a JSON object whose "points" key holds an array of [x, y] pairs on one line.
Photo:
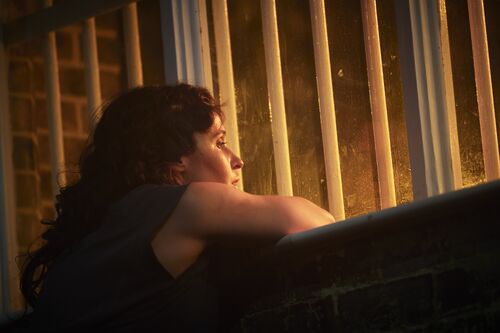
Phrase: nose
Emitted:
{"points": [[236, 162]]}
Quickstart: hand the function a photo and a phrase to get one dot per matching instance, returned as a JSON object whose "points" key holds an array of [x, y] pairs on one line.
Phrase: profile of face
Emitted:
{"points": [[212, 160]]}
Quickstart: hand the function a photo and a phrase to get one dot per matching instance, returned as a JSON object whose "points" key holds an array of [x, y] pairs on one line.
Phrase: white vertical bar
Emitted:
{"points": [[225, 73], [378, 104], [180, 49], [197, 49], [327, 109], [9, 291], [186, 47], [484, 89], [432, 101], [206, 63], [450, 96], [54, 111], [132, 45], [425, 97], [92, 80], [276, 97]]}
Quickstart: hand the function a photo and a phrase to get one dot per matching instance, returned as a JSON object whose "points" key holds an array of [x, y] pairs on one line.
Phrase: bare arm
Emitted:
{"points": [[212, 212]]}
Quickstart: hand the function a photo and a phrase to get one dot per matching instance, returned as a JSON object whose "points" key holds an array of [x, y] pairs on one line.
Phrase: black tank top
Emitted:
{"points": [[112, 282]]}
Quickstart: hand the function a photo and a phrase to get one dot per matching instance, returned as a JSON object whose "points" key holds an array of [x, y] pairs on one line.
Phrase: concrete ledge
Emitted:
{"points": [[411, 214]]}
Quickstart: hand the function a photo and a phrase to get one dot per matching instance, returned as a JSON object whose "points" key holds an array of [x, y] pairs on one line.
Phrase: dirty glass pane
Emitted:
{"points": [[251, 96], [491, 9], [394, 100], [352, 104], [469, 135], [301, 101]]}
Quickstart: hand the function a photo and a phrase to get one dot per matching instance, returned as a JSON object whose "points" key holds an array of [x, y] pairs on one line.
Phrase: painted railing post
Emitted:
{"points": [[484, 89], [427, 111], [378, 104], [327, 109], [276, 97]]}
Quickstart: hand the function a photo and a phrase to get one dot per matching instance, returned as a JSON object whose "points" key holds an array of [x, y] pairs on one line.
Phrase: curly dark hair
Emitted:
{"points": [[139, 135]]}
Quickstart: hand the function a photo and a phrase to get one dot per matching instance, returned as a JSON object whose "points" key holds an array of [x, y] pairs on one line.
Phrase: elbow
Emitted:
{"points": [[307, 215]]}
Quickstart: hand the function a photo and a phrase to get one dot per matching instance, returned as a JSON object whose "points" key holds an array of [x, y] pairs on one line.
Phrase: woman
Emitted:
{"points": [[127, 251]]}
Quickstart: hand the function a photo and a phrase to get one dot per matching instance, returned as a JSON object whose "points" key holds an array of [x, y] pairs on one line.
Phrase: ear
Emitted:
{"points": [[177, 172]]}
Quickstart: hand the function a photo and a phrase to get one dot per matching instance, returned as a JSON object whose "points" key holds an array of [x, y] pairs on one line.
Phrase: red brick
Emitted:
{"points": [[43, 157], [46, 184], [19, 76], [72, 150], [386, 307], [30, 48], [84, 118], [15, 9], [65, 47], [110, 50], [69, 117], [38, 77], [42, 120], [72, 81], [21, 114], [456, 289], [26, 196], [24, 153], [27, 229], [111, 84]]}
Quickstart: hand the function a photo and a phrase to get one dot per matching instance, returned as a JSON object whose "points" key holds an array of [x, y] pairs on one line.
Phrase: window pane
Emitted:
{"points": [[394, 99], [254, 122], [352, 104], [301, 101], [469, 134]]}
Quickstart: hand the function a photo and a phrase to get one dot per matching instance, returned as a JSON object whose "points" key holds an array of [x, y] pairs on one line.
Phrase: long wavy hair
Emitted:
{"points": [[140, 134]]}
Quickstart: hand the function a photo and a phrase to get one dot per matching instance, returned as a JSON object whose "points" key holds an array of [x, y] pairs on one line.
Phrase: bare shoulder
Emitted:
{"points": [[202, 196], [185, 233]]}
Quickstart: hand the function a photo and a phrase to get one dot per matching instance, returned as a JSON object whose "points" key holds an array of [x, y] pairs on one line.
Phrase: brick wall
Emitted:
{"points": [[34, 196], [429, 268]]}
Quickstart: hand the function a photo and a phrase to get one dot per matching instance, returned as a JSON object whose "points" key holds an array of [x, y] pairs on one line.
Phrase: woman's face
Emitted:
{"points": [[212, 160]]}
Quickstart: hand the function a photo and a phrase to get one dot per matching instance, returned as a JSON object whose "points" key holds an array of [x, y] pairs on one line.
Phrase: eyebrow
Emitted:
{"points": [[219, 132]]}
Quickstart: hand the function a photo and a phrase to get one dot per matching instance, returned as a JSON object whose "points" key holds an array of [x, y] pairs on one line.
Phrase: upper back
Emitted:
{"points": [[112, 279]]}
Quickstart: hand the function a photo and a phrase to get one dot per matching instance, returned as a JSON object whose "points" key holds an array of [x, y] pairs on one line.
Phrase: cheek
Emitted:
{"points": [[213, 162], [220, 165]]}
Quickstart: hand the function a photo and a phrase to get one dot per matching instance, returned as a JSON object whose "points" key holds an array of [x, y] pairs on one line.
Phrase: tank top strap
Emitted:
{"points": [[145, 209]]}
